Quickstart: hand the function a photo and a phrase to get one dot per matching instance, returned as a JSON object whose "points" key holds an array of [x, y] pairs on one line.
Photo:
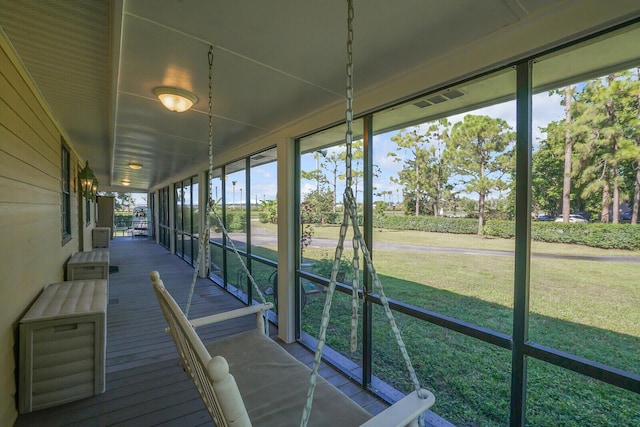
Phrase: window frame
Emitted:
{"points": [[65, 192]]}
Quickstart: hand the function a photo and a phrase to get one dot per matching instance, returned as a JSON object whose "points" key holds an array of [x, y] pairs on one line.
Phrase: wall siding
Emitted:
{"points": [[30, 211]]}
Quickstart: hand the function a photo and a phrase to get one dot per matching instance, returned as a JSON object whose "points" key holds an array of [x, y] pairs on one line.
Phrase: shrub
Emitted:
{"points": [[606, 236], [323, 268], [235, 222], [269, 213], [122, 220], [427, 223]]}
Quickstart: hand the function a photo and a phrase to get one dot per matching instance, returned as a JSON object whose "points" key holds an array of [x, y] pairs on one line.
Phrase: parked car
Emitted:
{"points": [[626, 216], [544, 218], [583, 214], [572, 218]]}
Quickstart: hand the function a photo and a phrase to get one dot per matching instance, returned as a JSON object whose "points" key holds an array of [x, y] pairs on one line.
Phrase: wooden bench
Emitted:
{"points": [[267, 386]]}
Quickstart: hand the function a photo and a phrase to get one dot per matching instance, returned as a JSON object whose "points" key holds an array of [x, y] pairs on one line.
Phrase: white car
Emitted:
{"points": [[572, 218]]}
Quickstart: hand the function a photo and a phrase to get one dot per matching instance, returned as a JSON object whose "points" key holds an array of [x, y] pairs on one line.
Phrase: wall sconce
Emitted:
{"points": [[175, 99], [88, 182]]}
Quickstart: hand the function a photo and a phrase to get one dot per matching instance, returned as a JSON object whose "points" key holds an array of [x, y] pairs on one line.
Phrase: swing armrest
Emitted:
{"points": [[404, 412], [227, 315]]}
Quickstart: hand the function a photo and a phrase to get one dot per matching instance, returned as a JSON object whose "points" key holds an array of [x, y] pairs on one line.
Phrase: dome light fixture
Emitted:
{"points": [[126, 182], [174, 98], [135, 166]]}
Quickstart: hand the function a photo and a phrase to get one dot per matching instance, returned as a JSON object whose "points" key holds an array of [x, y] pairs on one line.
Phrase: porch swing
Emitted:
{"points": [[248, 379]]}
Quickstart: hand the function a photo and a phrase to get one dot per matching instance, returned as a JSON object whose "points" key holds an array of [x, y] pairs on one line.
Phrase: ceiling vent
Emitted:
{"points": [[440, 98]]}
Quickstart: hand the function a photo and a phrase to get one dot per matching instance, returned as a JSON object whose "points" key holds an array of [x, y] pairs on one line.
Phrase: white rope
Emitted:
{"points": [[350, 214]]}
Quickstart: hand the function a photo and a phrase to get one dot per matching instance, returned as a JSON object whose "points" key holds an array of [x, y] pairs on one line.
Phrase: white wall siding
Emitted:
{"points": [[30, 210]]}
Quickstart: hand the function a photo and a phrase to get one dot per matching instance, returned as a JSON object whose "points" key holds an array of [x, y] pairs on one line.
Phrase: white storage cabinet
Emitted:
{"points": [[63, 345], [101, 237], [88, 265]]}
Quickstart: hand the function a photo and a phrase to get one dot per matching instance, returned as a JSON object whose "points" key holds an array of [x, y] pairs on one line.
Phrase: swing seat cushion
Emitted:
{"points": [[273, 384]]}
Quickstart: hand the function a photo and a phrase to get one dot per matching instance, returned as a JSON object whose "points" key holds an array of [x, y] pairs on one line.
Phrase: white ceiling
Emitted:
{"points": [[278, 68]]}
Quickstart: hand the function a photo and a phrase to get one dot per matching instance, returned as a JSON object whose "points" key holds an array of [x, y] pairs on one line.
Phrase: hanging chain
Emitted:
{"points": [[355, 285], [350, 213], [204, 239], [324, 323], [210, 209], [349, 93], [210, 203]]}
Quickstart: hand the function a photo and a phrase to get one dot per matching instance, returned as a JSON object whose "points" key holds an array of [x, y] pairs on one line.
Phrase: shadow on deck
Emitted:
{"points": [[145, 386]]}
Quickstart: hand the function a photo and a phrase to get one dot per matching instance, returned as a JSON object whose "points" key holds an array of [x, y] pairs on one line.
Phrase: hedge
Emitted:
{"points": [[236, 222], [122, 220], [427, 223], [597, 235], [606, 236]]}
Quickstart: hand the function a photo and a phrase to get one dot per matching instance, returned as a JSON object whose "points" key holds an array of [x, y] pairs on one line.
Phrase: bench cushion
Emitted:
{"points": [[273, 384]]}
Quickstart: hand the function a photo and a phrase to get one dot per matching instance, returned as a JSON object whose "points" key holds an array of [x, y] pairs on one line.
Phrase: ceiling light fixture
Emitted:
{"points": [[175, 99], [126, 182], [135, 166]]}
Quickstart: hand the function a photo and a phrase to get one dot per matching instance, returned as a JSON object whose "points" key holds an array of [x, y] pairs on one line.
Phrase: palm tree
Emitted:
{"points": [[233, 183]]}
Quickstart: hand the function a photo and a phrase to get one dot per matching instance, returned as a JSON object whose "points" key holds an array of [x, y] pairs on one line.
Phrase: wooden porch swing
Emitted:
{"points": [[248, 379]]}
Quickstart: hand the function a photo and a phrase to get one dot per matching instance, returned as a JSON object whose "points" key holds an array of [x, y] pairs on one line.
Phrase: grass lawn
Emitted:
{"points": [[588, 308]]}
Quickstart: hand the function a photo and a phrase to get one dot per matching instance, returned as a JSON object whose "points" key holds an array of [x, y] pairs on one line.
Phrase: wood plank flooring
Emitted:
{"points": [[145, 385]]}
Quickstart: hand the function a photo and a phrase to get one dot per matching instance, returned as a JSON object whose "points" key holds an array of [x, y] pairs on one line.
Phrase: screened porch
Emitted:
{"points": [[145, 385]]}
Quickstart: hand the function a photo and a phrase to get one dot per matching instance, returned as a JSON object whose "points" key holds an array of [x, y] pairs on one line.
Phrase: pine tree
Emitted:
{"points": [[480, 150]]}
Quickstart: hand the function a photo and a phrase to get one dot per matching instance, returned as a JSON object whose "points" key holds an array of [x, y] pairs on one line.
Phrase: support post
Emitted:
{"points": [[172, 218], [286, 240], [247, 225], [367, 307], [523, 243]]}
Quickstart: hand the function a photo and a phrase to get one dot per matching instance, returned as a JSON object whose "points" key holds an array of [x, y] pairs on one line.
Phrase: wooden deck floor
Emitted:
{"points": [[145, 385]]}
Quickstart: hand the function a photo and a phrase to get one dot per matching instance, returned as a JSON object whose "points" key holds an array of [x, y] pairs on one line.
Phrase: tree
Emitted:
{"points": [[547, 170], [636, 151], [357, 172], [438, 169], [480, 150], [333, 161], [233, 183], [319, 177], [319, 207], [269, 211], [425, 172], [605, 112], [568, 150], [316, 174]]}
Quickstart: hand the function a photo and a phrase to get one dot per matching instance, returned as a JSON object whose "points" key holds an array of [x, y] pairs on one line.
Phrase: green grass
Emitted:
{"points": [[587, 308], [590, 314]]}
